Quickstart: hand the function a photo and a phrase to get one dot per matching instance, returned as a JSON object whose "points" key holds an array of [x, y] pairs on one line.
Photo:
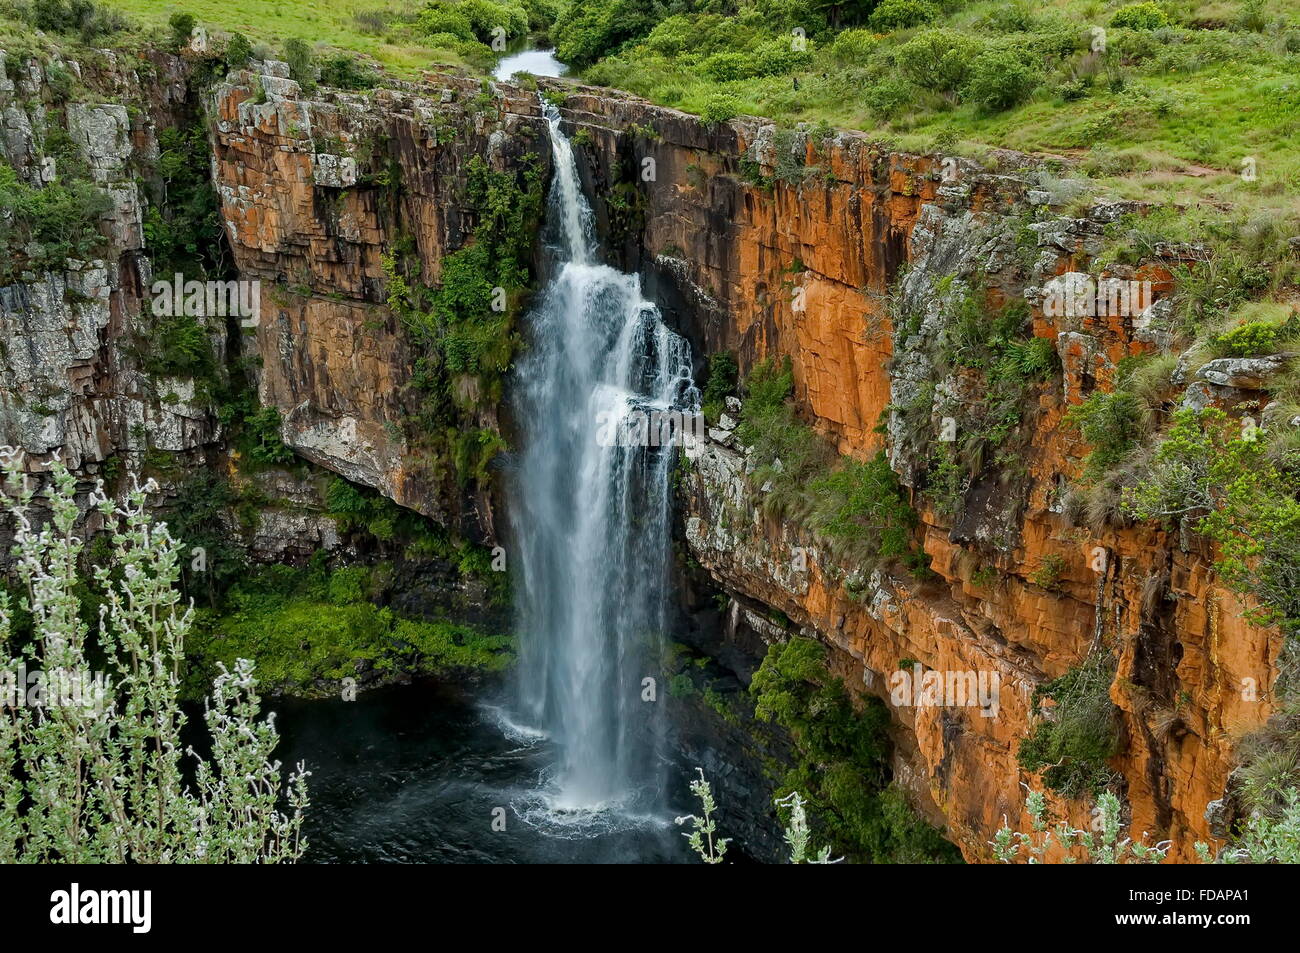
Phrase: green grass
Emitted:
{"points": [[334, 24], [1167, 116]]}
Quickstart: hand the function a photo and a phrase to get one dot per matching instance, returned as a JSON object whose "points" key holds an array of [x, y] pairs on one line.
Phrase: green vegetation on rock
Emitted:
{"points": [[842, 753], [308, 629]]}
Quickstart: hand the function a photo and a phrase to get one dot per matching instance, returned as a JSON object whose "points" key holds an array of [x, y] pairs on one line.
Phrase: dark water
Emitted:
{"points": [[412, 774]]}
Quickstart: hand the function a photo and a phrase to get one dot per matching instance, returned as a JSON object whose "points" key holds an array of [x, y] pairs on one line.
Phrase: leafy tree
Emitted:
{"points": [[998, 80], [182, 27], [96, 774], [301, 62], [238, 51]]}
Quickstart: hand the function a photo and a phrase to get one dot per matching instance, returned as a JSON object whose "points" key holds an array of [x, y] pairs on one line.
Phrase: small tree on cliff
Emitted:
{"points": [[91, 764]]}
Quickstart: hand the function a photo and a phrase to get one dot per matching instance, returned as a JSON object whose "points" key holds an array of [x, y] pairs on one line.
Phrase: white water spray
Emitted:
{"points": [[591, 522]]}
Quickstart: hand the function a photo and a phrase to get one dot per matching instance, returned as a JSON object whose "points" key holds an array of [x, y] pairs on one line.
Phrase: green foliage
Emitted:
{"points": [[1251, 338], [363, 510], [184, 233], [302, 66], [999, 79], [1112, 424], [347, 72], [938, 59], [1217, 475], [723, 381], [983, 429], [719, 108], [103, 775], [1077, 735], [862, 508], [857, 507], [464, 328], [444, 19], [82, 17], [586, 30], [43, 227], [1140, 16], [900, 14], [308, 628], [238, 51], [178, 346], [1048, 574], [842, 758], [261, 440], [198, 518], [182, 27]]}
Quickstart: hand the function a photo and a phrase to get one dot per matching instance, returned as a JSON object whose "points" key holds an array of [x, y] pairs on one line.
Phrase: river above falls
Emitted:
{"points": [[539, 62], [418, 774]]}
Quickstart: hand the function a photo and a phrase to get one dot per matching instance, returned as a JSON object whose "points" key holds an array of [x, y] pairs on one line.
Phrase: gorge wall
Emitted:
{"points": [[819, 268], [825, 247]]}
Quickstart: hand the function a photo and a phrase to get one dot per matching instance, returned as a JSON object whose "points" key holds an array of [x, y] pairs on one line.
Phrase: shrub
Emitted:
{"points": [[301, 62], [1048, 574], [841, 758], [722, 382], [1102, 844], [892, 15], [998, 80], [261, 438], [1112, 423], [442, 19], [238, 51], [1250, 338], [182, 27], [109, 780], [725, 67], [485, 17], [862, 506], [1214, 476], [889, 95], [1140, 16], [938, 59], [719, 107], [778, 58], [178, 346], [1073, 741], [347, 72], [74, 16], [51, 224], [854, 46]]}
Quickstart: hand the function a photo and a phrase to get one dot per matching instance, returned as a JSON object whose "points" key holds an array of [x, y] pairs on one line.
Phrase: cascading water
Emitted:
{"points": [[590, 509]]}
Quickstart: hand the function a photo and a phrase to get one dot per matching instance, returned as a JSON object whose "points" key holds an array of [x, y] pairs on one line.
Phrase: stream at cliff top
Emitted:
{"points": [[571, 762], [535, 61]]}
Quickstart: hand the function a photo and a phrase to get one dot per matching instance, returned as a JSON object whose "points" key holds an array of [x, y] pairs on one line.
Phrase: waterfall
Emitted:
{"points": [[599, 399]]}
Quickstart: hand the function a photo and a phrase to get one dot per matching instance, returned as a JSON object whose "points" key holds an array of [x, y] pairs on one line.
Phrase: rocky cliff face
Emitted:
{"points": [[813, 246], [315, 192], [74, 384]]}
